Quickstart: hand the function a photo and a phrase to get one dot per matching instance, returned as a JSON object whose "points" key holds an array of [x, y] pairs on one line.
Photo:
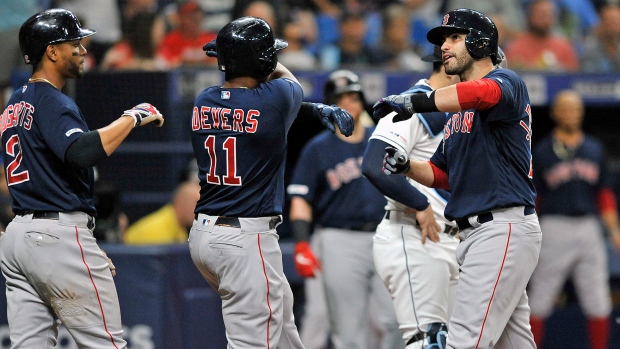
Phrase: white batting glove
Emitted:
{"points": [[145, 113]]}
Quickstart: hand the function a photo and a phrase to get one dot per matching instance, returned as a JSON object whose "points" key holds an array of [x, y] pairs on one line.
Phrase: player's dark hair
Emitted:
{"points": [[437, 66]]}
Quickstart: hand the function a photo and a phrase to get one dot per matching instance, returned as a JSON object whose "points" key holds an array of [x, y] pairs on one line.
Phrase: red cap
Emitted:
{"points": [[189, 7]]}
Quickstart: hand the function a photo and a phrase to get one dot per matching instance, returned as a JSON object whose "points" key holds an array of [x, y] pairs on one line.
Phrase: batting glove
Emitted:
{"points": [[305, 261], [395, 161], [210, 48], [401, 104], [145, 113], [333, 114]]}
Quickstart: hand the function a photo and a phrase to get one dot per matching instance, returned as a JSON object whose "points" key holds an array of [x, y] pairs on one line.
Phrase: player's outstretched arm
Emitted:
{"points": [[477, 94], [116, 132], [328, 115]]}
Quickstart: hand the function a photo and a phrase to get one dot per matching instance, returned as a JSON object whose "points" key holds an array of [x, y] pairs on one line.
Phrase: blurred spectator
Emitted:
{"points": [[217, 14], [264, 10], [296, 57], [539, 48], [104, 16], [171, 223], [508, 12], [183, 45], [111, 221], [576, 18], [397, 45], [351, 51], [12, 15], [136, 51], [601, 49], [424, 15]]}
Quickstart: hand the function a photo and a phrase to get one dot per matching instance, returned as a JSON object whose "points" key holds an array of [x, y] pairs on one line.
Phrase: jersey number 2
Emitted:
{"points": [[14, 149], [230, 146]]}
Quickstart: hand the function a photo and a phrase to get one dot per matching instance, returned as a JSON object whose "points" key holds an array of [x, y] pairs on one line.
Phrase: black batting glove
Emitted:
{"points": [[210, 48], [401, 104], [395, 162], [333, 114]]}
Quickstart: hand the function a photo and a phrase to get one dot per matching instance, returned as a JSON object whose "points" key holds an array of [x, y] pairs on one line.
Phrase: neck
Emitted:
{"points": [[41, 76], [478, 70], [242, 82], [569, 136]]}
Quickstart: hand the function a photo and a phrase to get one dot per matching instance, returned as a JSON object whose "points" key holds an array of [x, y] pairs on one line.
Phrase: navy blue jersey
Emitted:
{"points": [[38, 125], [328, 175], [568, 180], [239, 137], [487, 153]]}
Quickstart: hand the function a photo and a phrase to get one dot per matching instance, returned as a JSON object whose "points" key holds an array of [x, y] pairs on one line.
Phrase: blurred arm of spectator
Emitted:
{"points": [[136, 50], [183, 45], [327, 7], [539, 48], [601, 48], [171, 223]]}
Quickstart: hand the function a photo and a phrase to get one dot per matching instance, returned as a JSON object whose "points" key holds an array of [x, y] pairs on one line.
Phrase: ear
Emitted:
{"points": [[52, 52]]}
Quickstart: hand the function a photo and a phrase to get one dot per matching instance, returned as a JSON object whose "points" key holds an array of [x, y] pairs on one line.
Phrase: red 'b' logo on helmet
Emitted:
{"points": [[445, 19]]}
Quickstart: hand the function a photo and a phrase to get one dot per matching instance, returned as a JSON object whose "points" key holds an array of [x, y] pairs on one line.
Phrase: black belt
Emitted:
{"points": [[52, 215], [485, 217], [364, 227], [233, 222], [418, 337], [450, 230]]}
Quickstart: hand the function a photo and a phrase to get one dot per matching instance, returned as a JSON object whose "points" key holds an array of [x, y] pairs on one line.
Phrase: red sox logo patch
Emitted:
{"points": [[445, 19]]}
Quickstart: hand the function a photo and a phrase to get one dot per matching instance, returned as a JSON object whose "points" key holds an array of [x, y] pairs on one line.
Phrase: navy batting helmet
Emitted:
{"points": [[48, 27], [339, 82], [482, 37], [247, 46]]}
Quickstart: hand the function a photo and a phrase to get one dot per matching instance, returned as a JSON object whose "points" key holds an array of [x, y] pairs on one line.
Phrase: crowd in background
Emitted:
{"points": [[547, 35]]}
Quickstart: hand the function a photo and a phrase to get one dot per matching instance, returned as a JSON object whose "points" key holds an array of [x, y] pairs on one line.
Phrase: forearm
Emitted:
{"points": [[421, 172], [115, 133], [300, 216], [611, 222]]}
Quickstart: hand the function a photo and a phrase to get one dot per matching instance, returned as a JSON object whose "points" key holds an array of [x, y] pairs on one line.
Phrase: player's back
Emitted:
{"points": [[239, 138]]}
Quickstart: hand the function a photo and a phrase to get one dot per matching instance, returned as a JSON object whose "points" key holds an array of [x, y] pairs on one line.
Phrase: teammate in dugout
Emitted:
{"points": [[239, 135], [53, 267], [420, 275], [328, 191], [574, 196], [485, 161]]}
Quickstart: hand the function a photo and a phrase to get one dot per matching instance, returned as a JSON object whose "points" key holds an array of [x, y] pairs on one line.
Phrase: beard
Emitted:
{"points": [[74, 70], [460, 63]]}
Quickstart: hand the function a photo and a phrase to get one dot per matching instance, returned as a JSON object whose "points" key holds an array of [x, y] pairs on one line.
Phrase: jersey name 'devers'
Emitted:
{"points": [[17, 114], [237, 120]]}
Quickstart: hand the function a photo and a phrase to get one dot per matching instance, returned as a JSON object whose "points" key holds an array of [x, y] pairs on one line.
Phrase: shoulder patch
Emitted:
{"points": [[72, 131]]}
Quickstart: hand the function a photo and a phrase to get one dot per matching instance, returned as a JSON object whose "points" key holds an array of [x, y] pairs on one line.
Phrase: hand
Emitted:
{"points": [[333, 114], [210, 48], [145, 113], [615, 238], [305, 261], [428, 225], [110, 264], [401, 104], [395, 162]]}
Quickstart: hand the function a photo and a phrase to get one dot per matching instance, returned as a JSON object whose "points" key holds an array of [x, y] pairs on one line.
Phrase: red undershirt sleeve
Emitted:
{"points": [[440, 179], [478, 94], [606, 200]]}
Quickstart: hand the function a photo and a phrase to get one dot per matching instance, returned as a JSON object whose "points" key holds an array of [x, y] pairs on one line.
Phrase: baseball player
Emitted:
{"points": [[53, 266], [485, 161], [574, 195], [420, 275], [328, 190], [239, 134]]}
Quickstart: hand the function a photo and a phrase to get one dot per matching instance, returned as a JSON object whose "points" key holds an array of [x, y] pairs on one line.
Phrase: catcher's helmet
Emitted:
{"points": [[339, 82], [48, 27], [247, 46], [482, 37]]}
